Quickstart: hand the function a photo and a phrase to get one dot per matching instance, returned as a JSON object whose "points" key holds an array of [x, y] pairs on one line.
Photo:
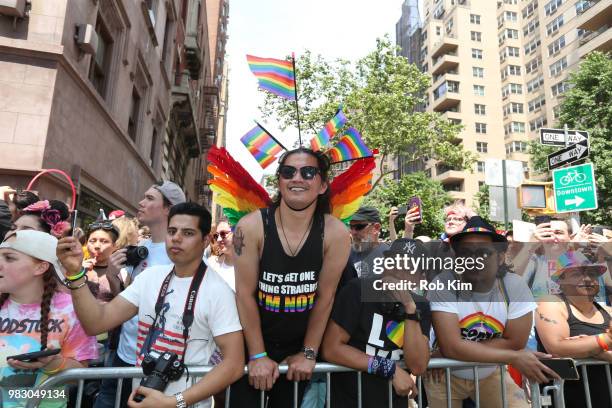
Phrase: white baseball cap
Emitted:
{"points": [[37, 244]]}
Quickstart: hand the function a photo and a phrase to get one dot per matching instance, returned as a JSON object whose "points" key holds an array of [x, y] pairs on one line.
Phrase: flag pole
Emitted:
{"points": [[348, 160], [270, 134], [297, 107]]}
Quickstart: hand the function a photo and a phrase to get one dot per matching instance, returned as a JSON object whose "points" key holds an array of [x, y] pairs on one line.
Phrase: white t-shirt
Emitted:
{"points": [[127, 342], [215, 314], [483, 316], [225, 271]]}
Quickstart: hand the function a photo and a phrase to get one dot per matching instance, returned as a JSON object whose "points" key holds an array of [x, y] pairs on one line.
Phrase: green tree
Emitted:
{"points": [[397, 193], [587, 105], [380, 94]]}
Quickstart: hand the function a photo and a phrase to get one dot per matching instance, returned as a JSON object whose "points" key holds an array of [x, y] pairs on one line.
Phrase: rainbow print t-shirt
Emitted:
{"points": [[483, 316], [20, 333]]}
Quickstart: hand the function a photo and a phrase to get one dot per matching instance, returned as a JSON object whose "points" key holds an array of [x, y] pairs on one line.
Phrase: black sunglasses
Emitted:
{"points": [[358, 227], [106, 226], [222, 234], [288, 172]]}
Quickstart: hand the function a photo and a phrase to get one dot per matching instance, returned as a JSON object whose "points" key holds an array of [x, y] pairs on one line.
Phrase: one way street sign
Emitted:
{"points": [[568, 155], [556, 137]]}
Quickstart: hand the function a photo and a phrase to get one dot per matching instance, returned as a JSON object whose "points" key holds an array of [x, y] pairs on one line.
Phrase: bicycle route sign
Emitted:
{"points": [[575, 188], [556, 137], [568, 155]]}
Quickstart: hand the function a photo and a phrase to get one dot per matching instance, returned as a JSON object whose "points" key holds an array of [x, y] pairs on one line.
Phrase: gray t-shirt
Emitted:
{"points": [[363, 262]]}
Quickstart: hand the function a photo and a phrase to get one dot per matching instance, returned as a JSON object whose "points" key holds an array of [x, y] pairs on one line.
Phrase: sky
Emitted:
{"points": [[275, 28]]}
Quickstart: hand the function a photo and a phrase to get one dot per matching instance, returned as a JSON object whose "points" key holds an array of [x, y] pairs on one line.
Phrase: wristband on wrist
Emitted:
{"points": [[258, 356], [601, 342], [381, 367], [56, 370], [79, 275], [69, 284]]}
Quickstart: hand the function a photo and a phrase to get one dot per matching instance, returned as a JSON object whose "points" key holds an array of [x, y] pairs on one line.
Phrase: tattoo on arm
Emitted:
{"points": [[546, 319], [238, 241]]}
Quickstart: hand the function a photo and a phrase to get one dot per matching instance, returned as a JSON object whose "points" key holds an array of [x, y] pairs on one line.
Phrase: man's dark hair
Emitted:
{"points": [[24, 198], [167, 202], [196, 210], [323, 163]]}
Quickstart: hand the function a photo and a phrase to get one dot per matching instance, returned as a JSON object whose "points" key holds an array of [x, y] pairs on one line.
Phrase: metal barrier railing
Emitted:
{"points": [[538, 400]]}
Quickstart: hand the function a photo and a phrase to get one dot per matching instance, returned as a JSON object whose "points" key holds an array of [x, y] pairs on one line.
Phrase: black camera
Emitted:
{"points": [[135, 254], [160, 369]]}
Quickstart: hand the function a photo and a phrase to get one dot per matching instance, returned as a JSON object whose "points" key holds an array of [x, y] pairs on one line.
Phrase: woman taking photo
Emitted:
{"points": [[44, 318], [573, 325]]}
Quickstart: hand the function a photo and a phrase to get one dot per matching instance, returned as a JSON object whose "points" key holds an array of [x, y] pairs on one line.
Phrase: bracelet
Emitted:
{"points": [[257, 356], [79, 275], [381, 367], [56, 370], [69, 284], [601, 342]]}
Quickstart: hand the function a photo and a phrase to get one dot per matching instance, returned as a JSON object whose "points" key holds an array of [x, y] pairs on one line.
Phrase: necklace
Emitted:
{"points": [[293, 253]]}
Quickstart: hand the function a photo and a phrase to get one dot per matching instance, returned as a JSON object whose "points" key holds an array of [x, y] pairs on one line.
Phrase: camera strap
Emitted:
{"points": [[192, 294]]}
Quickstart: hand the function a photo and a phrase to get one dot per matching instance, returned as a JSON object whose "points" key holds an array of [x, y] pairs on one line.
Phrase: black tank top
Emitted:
{"points": [[598, 384], [287, 285]]}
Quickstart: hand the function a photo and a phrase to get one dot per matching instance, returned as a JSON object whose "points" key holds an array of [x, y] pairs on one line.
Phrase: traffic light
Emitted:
{"points": [[536, 198]]}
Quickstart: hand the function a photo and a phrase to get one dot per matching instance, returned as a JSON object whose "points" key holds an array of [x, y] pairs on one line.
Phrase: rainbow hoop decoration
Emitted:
{"points": [[57, 171]]}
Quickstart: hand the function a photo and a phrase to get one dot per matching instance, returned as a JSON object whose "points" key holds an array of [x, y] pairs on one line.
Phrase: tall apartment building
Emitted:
{"points": [[111, 92], [500, 69]]}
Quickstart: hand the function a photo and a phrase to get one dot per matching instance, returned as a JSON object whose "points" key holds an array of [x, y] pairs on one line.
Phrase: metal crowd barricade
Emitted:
{"points": [[538, 399]]}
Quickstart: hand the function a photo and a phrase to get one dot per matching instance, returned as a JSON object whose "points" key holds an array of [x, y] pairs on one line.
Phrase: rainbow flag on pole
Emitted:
{"points": [[350, 147], [329, 130], [261, 145], [274, 75]]}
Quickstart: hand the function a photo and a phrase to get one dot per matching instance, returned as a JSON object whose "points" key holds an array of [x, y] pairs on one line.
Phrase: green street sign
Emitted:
{"points": [[575, 188]]}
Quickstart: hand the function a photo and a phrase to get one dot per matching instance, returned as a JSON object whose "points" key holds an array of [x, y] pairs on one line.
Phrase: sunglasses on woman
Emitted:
{"points": [[222, 234], [307, 172]]}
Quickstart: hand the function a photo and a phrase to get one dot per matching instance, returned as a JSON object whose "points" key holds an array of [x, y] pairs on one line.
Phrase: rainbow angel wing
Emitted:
{"points": [[237, 192], [347, 190]]}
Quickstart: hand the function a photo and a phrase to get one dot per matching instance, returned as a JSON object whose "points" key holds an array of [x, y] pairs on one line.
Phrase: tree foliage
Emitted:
{"points": [[587, 105], [397, 193], [380, 94]]}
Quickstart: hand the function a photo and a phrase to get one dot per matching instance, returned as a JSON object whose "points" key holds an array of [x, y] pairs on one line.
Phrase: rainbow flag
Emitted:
{"points": [[331, 128], [262, 141], [276, 76], [350, 147], [261, 145]]}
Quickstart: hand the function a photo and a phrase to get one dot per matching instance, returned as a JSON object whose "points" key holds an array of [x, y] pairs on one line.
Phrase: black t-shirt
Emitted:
{"points": [[375, 333]]}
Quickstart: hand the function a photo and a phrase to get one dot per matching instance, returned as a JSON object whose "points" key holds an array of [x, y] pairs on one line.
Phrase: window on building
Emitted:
{"points": [[532, 45], [511, 33], [153, 151], [134, 118], [482, 147], [513, 51], [476, 36], [530, 9], [531, 26], [513, 107], [583, 5], [552, 6], [516, 89], [511, 70], [536, 103], [479, 90], [480, 127], [474, 18], [479, 109], [559, 88], [533, 64], [556, 46], [476, 53], [510, 16], [538, 123], [152, 8], [478, 72], [535, 83], [516, 146], [480, 166], [556, 112], [99, 67], [554, 25], [438, 30], [557, 67]]}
